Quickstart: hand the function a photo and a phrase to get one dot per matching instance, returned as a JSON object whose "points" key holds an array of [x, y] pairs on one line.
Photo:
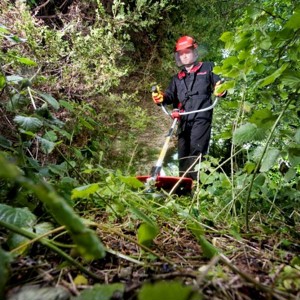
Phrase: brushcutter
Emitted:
{"points": [[155, 179]]}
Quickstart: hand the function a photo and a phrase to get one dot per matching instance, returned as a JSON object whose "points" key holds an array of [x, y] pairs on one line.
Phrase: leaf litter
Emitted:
{"points": [[252, 267]]}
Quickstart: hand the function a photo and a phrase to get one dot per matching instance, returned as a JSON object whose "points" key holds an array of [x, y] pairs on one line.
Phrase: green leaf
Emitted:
{"points": [[263, 118], [28, 133], [17, 101], [5, 143], [14, 78], [229, 62], [226, 36], [16, 240], [131, 181], [66, 105], [5, 259], [85, 123], [243, 55], [28, 123], [4, 29], [209, 251], [51, 136], [87, 242], [269, 159], [227, 85], [291, 79], [265, 43], [271, 78], [8, 170], [37, 292], [146, 234], [247, 133], [290, 174], [15, 39], [294, 154], [206, 178], [60, 169], [141, 215], [49, 99], [259, 68], [46, 145], [2, 81], [42, 228], [85, 191], [101, 292], [243, 42], [297, 136], [295, 262], [260, 180], [167, 290], [225, 135], [249, 167], [257, 153], [26, 61], [21, 217], [294, 21], [44, 112]]}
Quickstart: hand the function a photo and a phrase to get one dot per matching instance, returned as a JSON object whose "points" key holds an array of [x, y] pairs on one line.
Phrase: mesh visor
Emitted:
{"points": [[179, 62]]}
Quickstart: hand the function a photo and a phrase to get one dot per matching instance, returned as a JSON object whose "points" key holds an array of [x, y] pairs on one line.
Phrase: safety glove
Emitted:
{"points": [[218, 90], [175, 114], [157, 95]]}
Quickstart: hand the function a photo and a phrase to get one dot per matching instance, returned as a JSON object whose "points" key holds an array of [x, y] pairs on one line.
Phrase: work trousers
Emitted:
{"points": [[193, 140]]}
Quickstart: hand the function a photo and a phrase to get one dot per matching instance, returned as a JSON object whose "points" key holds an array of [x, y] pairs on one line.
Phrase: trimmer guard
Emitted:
{"points": [[168, 182]]}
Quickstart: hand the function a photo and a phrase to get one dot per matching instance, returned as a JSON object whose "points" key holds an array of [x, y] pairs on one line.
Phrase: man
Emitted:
{"points": [[191, 90]]}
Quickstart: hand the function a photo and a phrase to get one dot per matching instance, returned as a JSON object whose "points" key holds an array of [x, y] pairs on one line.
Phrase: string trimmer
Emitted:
{"points": [[167, 183]]}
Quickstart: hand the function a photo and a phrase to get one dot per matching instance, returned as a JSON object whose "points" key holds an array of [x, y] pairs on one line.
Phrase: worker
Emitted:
{"points": [[191, 89]]}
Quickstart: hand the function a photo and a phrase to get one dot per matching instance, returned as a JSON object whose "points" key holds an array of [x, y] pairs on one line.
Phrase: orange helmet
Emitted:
{"points": [[185, 42], [182, 43]]}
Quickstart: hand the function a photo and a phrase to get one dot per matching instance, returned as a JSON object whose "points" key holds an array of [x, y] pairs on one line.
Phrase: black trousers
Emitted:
{"points": [[193, 140]]}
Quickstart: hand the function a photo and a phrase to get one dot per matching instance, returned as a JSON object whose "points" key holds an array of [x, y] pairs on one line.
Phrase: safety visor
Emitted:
{"points": [[178, 61]]}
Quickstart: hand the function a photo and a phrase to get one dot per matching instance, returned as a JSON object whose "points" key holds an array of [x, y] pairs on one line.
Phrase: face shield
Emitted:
{"points": [[186, 57]]}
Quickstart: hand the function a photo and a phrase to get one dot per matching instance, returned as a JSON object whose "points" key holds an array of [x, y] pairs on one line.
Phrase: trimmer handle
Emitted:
{"points": [[155, 89]]}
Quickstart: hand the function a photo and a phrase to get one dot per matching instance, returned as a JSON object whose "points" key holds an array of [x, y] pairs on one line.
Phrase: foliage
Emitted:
{"points": [[72, 108], [88, 244], [167, 290], [262, 62], [6, 259], [101, 292]]}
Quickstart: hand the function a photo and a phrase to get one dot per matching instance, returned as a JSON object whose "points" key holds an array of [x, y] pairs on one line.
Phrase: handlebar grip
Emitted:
{"points": [[155, 89]]}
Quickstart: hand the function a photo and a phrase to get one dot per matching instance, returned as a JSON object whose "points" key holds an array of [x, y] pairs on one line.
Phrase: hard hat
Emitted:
{"points": [[185, 42]]}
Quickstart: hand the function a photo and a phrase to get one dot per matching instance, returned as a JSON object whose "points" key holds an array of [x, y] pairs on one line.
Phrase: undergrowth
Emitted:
{"points": [[71, 210]]}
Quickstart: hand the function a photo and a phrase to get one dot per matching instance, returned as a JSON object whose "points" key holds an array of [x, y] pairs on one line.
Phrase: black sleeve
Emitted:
{"points": [[170, 94]]}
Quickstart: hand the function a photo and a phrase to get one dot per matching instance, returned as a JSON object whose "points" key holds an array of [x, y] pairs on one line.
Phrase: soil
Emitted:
{"points": [[155, 137]]}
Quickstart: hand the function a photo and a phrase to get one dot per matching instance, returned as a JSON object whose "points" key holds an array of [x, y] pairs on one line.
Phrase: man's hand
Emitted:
{"points": [[158, 97], [218, 89], [175, 114]]}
